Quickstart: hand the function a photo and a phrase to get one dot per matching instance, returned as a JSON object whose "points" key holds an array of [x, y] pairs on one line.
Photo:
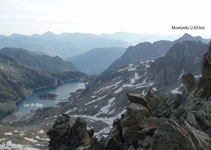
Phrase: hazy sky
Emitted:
{"points": [[103, 16]]}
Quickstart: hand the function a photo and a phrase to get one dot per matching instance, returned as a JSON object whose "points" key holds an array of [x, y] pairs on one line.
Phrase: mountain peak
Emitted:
{"points": [[186, 35], [48, 33]]}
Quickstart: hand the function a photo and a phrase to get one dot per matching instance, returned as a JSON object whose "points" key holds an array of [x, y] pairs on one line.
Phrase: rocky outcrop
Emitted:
{"points": [[140, 130], [65, 136]]}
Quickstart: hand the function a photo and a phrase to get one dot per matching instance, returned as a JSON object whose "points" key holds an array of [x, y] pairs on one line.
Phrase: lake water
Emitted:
{"points": [[32, 102]]}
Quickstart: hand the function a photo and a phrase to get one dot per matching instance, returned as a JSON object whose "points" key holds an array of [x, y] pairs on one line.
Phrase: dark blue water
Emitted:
{"points": [[32, 102]]}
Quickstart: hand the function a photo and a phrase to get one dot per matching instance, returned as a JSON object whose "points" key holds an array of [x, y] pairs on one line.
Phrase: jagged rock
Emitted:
{"points": [[131, 130], [79, 135], [138, 99], [114, 141], [154, 100], [135, 114], [65, 136], [189, 82]]}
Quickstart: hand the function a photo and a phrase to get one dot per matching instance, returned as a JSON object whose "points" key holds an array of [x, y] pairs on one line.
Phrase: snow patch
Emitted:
{"points": [[41, 131], [114, 86], [175, 91], [130, 67], [31, 140], [136, 77], [71, 110], [9, 133], [120, 89], [197, 76], [144, 84], [104, 132], [106, 120], [2, 139], [181, 74], [154, 89], [96, 100], [11, 146], [106, 108]]}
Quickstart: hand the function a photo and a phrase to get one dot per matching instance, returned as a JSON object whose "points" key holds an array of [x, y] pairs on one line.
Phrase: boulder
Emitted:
{"points": [[138, 99]]}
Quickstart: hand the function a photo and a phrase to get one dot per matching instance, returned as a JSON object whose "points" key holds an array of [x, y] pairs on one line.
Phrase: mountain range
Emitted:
{"points": [[67, 45], [147, 51], [64, 45]]}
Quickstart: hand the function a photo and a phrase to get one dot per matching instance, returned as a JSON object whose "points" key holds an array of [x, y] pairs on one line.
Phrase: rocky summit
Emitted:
{"points": [[151, 121]]}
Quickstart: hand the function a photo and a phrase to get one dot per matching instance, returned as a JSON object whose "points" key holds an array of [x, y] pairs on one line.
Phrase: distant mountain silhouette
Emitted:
{"points": [[64, 45], [38, 60]]}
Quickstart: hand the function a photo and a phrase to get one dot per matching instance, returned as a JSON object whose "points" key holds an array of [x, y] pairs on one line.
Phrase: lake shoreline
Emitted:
{"points": [[12, 115]]}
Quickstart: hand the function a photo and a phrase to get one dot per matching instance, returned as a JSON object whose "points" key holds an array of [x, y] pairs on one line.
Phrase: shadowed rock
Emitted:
{"points": [[64, 136], [204, 86]]}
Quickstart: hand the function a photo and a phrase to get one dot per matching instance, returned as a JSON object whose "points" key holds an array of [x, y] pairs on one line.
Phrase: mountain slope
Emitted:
{"points": [[97, 60], [147, 51], [142, 51], [17, 80], [182, 58], [45, 62]]}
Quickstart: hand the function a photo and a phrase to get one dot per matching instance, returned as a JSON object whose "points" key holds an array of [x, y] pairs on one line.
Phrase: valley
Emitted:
{"points": [[98, 100]]}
